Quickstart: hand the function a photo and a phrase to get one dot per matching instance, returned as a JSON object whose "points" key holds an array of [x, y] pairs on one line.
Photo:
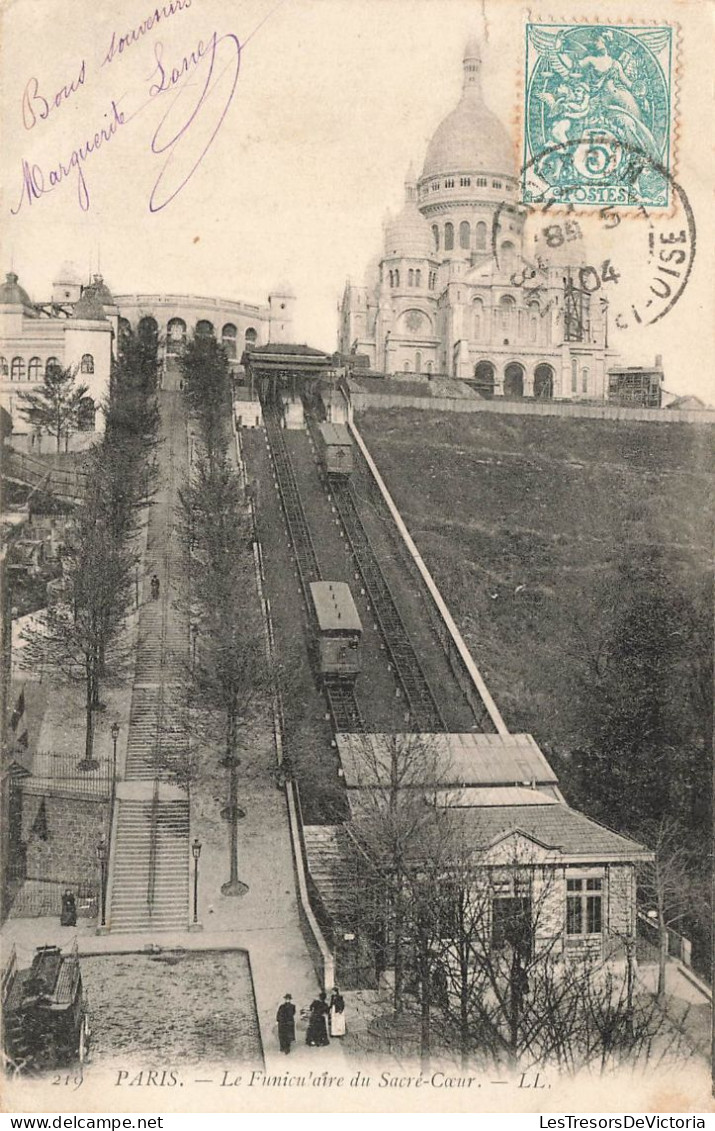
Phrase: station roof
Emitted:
{"points": [[447, 759], [335, 435], [553, 826], [334, 607]]}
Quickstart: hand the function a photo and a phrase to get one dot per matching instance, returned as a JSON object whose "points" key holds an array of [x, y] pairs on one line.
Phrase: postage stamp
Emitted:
{"points": [[598, 114]]}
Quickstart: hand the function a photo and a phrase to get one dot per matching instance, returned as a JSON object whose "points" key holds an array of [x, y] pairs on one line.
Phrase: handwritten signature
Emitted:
{"points": [[184, 134]]}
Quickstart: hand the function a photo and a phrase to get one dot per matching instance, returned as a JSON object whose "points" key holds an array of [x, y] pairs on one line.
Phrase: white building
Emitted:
{"points": [[77, 328], [448, 296]]}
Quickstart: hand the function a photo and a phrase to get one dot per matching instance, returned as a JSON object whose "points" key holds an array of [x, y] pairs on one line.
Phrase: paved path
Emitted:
{"points": [[264, 921]]}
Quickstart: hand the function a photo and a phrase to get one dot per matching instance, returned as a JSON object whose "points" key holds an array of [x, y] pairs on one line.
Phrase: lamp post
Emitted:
{"points": [[115, 736], [102, 858], [196, 852]]}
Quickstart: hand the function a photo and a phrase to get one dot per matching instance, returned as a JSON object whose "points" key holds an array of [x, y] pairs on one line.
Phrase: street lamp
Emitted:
{"points": [[102, 858], [196, 852], [115, 736]]}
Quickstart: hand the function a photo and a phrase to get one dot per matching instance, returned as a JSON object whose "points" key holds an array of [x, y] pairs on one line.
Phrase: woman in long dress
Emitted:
{"points": [[318, 1021], [337, 1014]]}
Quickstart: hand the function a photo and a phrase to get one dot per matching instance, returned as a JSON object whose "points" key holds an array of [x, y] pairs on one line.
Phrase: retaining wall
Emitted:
{"points": [[362, 401]]}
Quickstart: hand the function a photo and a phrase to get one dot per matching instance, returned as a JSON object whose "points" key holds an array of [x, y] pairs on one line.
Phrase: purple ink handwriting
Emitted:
{"points": [[119, 44], [195, 88], [35, 106]]}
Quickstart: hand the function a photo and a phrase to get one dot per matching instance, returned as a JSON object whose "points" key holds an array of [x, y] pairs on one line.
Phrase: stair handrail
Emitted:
{"points": [[153, 845]]}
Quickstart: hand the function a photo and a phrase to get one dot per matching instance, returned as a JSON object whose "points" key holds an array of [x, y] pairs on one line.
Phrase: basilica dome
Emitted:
{"points": [[471, 138]]}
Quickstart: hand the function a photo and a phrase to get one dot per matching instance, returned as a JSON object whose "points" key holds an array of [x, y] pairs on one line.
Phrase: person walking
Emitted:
{"points": [[337, 1013], [286, 1023], [155, 587], [318, 1021]]}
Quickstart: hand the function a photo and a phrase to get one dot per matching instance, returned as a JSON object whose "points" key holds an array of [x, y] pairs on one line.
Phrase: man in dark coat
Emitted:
{"points": [[286, 1023]]}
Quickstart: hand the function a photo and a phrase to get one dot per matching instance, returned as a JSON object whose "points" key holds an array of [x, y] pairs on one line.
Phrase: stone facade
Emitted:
{"points": [[448, 294]]}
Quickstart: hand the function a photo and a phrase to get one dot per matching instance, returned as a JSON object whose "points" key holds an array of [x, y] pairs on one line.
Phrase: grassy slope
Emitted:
{"points": [[497, 503]]}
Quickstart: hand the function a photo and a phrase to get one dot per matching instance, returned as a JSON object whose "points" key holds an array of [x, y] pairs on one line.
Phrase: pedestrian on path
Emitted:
{"points": [[155, 586], [286, 1023], [318, 1021], [337, 1013]]}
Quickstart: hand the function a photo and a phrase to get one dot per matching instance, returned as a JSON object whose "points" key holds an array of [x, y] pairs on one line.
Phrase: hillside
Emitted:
{"points": [[575, 556]]}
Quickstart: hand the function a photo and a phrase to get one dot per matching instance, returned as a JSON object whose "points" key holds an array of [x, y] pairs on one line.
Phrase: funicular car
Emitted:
{"points": [[337, 632], [45, 1018]]}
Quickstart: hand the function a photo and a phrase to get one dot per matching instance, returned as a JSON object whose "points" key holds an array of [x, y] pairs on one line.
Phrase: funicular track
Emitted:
{"points": [[342, 702], [424, 714]]}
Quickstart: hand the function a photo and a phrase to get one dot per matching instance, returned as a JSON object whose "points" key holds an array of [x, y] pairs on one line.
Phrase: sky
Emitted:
{"points": [[283, 169]]}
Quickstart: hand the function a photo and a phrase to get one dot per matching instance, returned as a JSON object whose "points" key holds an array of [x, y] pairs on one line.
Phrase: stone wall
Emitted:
{"points": [[61, 832], [363, 401]]}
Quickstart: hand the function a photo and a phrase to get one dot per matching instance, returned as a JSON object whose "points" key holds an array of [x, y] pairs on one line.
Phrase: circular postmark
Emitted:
{"points": [[638, 270]]}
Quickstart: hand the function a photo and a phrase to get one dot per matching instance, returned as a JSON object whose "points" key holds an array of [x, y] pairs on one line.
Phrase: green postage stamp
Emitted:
{"points": [[598, 114]]}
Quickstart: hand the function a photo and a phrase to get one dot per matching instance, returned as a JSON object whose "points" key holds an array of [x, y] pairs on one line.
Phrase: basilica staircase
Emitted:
{"points": [[149, 865]]}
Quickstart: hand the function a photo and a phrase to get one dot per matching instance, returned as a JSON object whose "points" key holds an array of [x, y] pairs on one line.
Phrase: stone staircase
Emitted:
{"points": [[133, 906], [149, 868]]}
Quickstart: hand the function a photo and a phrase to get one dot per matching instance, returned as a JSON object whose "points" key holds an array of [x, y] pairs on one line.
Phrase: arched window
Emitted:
{"points": [[507, 257], [584, 379], [448, 236], [87, 363], [418, 278], [148, 329], [34, 369], [514, 380], [392, 279], [228, 338], [543, 382], [574, 375], [204, 328], [251, 336], [410, 278], [397, 278], [478, 323], [435, 236], [406, 367], [507, 306], [464, 234], [125, 328], [51, 365], [17, 370], [481, 236], [429, 366], [534, 313], [175, 335], [418, 362], [3, 367], [484, 378]]}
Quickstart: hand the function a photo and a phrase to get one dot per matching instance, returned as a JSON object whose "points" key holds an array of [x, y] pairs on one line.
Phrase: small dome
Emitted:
{"points": [[408, 234], [102, 291], [471, 139], [12, 294], [89, 307]]}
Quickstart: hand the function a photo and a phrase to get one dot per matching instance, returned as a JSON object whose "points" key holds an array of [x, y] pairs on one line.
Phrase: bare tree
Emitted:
{"points": [[665, 884]]}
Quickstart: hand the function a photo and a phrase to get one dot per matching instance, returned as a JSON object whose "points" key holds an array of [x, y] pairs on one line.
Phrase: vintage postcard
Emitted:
{"points": [[357, 423]]}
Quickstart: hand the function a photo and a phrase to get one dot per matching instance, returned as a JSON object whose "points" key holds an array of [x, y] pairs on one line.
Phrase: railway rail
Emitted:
{"points": [[424, 713], [342, 702]]}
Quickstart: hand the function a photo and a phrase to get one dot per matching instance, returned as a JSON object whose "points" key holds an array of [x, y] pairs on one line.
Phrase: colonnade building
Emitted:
{"points": [[79, 327], [448, 295]]}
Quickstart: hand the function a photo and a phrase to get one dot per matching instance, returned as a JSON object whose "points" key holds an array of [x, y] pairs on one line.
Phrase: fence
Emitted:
{"points": [[40, 898], [362, 401]]}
